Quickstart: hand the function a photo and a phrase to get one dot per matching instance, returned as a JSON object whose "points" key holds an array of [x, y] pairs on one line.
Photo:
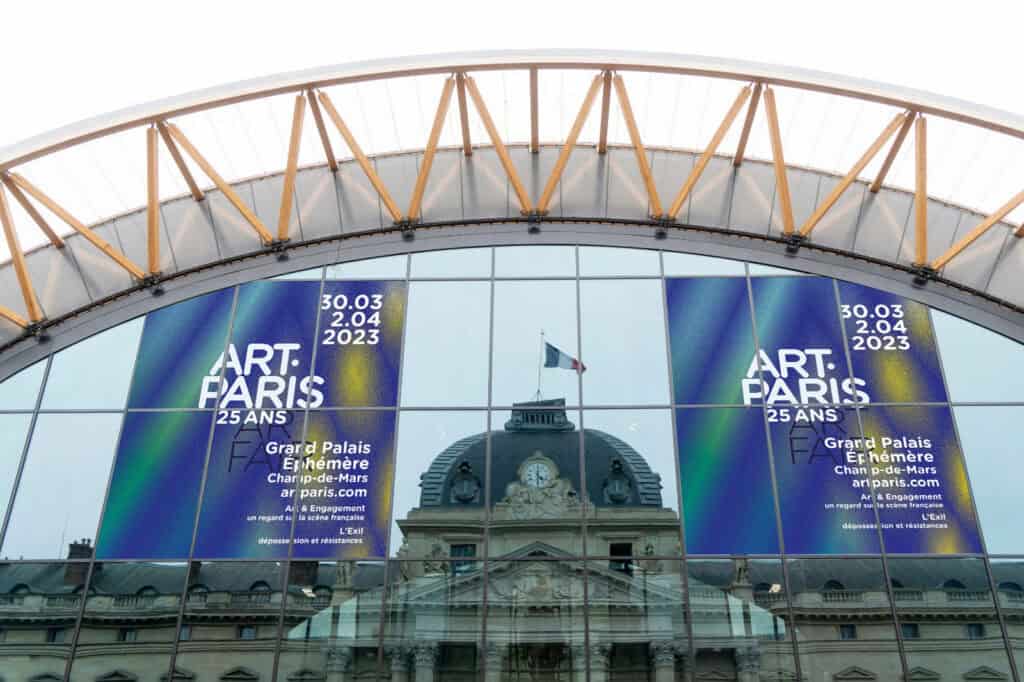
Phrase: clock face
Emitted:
{"points": [[537, 474]]}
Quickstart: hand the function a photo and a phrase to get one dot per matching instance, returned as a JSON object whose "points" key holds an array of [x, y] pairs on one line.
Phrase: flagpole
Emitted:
{"points": [[540, 364]]}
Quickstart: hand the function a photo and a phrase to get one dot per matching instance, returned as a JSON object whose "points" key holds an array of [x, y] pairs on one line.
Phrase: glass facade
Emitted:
{"points": [[517, 463]]}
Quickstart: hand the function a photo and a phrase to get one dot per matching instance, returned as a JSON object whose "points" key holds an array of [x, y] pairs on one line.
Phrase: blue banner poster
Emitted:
{"points": [[360, 342], [728, 507], [155, 484], [892, 345], [344, 481]]}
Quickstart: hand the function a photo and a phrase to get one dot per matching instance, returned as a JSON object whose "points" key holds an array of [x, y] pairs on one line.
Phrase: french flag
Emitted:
{"points": [[553, 357]]}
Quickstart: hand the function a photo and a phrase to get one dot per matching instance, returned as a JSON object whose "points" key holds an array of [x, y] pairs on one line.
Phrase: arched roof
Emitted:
{"points": [[603, 180]]}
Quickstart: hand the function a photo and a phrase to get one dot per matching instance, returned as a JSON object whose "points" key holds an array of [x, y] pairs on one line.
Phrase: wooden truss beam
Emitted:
{"points": [[33, 212], [848, 179], [506, 161], [779, 163], [28, 294], [702, 162], [534, 112], [748, 123], [361, 159], [152, 202], [13, 317], [920, 192], [416, 202], [229, 193], [321, 130], [570, 142], [979, 230], [77, 225], [891, 156], [467, 142], [638, 146], [284, 215], [606, 100], [179, 161]]}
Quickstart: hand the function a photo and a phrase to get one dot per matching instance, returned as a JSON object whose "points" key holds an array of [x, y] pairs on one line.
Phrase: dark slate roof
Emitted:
{"points": [[560, 443]]}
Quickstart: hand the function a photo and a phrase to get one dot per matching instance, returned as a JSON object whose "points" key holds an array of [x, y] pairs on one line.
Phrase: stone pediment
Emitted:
{"points": [[920, 674], [307, 675], [854, 672], [117, 676], [46, 677], [240, 675], [983, 672]]}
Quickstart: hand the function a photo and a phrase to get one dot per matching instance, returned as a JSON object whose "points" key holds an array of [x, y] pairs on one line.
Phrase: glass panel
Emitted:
{"points": [[131, 616], [332, 620], [13, 431], [759, 270], [992, 457], [159, 451], [712, 341], [452, 263], [724, 452], [843, 619], [535, 261], [19, 392], [624, 338], [692, 265], [388, 267], [79, 380], [440, 483], [250, 482], [446, 344], [631, 483], [434, 621], [1008, 576], [167, 377], [39, 605], [528, 315], [599, 261], [975, 360], [740, 618], [535, 620], [312, 273], [537, 494], [63, 484], [232, 614], [947, 617], [636, 621]]}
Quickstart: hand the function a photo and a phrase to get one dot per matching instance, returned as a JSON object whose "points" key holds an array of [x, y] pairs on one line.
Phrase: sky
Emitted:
{"points": [[67, 61]]}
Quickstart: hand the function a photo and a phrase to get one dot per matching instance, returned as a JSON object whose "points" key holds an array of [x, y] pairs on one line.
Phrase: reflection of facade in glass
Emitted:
{"points": [[539, 426]]}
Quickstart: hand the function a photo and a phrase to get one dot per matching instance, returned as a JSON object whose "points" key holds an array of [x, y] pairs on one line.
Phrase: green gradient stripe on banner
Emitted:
{"points": [[179, 345], [728, 504], [154, 489]]}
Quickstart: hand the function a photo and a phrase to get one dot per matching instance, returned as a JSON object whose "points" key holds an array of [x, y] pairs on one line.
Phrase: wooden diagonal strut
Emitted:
{"points": [[506, 161], [702, 162], [284, 216], [35, 313], [179, 161], [467, 143], [152, 202], [779, 163], [321, 130], [76, 225], [416, 201], [361, 158], [570, 142], [638, 146], [33, 212], [891, 156], [982, 227], [848, 179], [748, 123], [13, 317], [221, 184], [920, 192], [606, 100]]}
